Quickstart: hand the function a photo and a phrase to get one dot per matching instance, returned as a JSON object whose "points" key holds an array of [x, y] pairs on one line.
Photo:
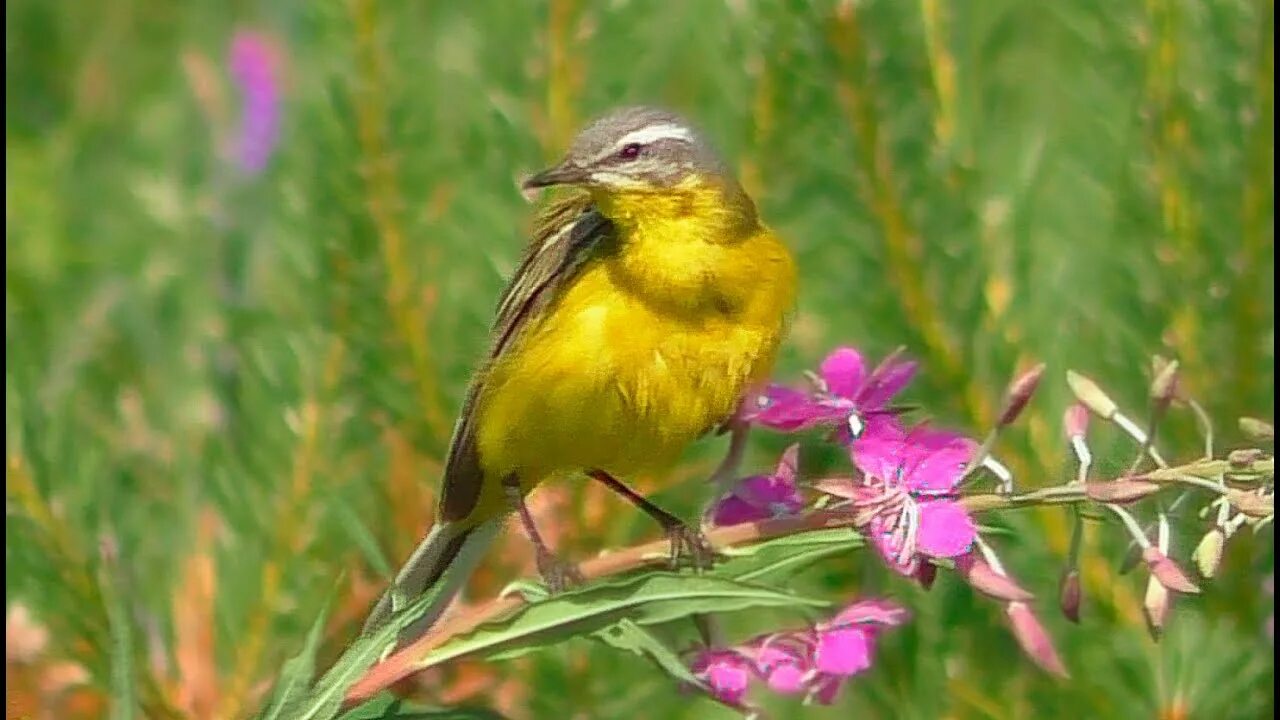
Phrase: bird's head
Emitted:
{"points": [[636, 152]]}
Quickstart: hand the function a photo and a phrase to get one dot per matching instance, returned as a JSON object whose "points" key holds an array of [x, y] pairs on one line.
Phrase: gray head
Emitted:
{"points": [[633, 148]]}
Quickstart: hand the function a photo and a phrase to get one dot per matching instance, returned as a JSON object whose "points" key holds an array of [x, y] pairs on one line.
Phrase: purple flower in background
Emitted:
{"points": [[846, 393], [816, 661], [907, 494], [761, 497], [255, 68]]}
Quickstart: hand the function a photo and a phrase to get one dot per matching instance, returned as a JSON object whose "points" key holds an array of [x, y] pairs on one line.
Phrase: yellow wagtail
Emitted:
{"points": [[648, 303]]}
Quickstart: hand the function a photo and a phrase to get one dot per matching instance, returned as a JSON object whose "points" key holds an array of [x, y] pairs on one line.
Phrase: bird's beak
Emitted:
{"points": [[566, 173]]}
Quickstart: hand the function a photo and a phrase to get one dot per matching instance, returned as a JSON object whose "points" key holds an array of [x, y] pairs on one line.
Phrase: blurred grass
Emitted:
{"points": [[243, 389]]}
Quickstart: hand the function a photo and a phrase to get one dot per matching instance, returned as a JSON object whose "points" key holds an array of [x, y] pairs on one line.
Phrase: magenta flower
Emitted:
{"points": [[907, 493], [846, 644], [726, 672], [845, 394], [817, 661], [255, 67], [760, 497]]}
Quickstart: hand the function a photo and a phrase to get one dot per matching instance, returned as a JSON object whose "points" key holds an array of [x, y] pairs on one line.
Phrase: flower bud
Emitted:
{"points": [[984, 578], [1164, 384], [1034, 639], [1208, 553], [1076, 420], [1155, 605], [1019, 394], [1251, 504], [1091, 396], [1167, 572], [1069, 595], [1243, 459], [1119, 491], [926, 573], [1258, 429]]}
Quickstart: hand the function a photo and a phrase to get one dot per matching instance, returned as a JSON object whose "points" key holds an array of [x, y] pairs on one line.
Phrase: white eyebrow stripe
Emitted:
{"points": [[654, 133]]}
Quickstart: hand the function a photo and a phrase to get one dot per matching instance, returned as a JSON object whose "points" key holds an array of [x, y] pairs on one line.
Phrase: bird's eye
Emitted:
{"points": [[630, 151]]}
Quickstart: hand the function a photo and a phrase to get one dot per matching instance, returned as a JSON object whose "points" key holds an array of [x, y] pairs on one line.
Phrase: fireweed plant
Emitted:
{"points": [[911, 491]]}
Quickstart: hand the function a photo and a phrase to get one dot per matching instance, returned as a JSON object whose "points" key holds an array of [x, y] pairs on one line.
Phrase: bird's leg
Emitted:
{"points": [[684, 539], [556, 573]]}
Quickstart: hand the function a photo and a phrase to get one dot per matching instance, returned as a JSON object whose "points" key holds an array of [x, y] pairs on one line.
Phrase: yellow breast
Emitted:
{"points": [[652, 345]]}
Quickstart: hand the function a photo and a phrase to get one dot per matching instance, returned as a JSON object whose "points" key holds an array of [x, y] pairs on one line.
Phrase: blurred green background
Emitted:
{"points": [[227, 394]]}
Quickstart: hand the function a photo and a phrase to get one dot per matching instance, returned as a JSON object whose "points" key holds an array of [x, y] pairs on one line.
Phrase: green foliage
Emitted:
{"points": [[991, 183]]}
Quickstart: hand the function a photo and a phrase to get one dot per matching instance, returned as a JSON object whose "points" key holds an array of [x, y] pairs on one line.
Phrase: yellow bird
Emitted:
{"points": [[649, 302]]}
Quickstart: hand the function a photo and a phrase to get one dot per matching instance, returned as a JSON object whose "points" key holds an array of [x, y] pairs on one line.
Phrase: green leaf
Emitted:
{"points": [[388, 707], [784, 556], [124, 700], [296, 675], [650, 599], [627, 635], [325, 700]]}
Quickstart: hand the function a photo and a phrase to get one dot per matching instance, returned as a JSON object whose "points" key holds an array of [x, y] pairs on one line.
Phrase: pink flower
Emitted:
{"points": [[846, 644], [907, 494], [256, 68], [726, 672], [817, 661], [845, 393], [760, 497]]}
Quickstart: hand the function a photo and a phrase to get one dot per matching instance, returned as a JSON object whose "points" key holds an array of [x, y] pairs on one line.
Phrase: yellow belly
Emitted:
{"points": [[606, 381]]}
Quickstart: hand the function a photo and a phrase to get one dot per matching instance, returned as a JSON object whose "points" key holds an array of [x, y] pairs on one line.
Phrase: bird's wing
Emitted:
{"points": [[565, 234]]}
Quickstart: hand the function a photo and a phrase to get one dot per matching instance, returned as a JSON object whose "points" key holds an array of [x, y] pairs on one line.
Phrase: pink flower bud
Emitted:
{"points": [[1120, 491], [1076, 420], [1155, 605], [986, 580], [1034, 639], [1069, 595], [1019, 394], [1167, 572]]}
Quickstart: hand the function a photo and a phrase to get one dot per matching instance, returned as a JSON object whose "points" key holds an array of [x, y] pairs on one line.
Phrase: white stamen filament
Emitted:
{"points": [[1002, 472], [1083, 455]]}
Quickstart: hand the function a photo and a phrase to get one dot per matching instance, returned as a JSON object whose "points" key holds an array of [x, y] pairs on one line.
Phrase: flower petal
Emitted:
{"points": [[726, 672], [946, 530], [788, 464], [883, 384], [788, 410], [783, 669], [882, 612], [936, 460], [843, 371], [733, 510], [843, 651]]}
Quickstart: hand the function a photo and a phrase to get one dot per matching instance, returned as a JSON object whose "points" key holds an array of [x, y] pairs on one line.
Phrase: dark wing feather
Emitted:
{"points": [[565, 234]]}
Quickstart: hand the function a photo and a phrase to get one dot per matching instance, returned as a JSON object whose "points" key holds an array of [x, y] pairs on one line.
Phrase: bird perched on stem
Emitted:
{"points": [[651, 300]]}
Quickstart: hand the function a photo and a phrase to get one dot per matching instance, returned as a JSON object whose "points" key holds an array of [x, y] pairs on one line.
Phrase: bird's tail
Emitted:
{"points": [[447, 556]]}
